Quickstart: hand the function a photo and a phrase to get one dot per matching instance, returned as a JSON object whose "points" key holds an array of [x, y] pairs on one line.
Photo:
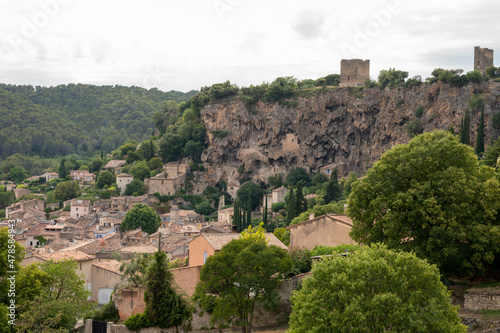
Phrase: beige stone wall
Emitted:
{"points": [[197, 247], [162, 186], [122, 183], [482, 299], [129, 302], [187, 278], [483, 58], [354, 72], [102, 278], [323, 230], [290, 143], [279, 194]]}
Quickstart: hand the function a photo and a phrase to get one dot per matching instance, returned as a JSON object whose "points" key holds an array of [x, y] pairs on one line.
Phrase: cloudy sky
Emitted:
{"points": [[186, 44]]}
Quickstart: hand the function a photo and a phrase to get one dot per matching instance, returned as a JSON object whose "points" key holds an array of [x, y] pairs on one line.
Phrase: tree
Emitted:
{"points": [[62, 169], [374, 290], [490, 157], [333, 190], [135, 187], [135, 270], [480, 135], [164, 306], [347, 185], [244, 274], [67, 190], [300, 200], [58, 300], [6, 199], [296, 175], [140, 170], [141, 216], [465, 129], [18, 174], [170, 147], [155, 163], [11, 254], [430, 196], [391, 77], [106, 177], [249, 191], [290, 206]]}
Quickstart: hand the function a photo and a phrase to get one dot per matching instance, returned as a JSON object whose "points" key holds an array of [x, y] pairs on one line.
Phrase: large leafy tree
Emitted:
{"points": [[374, 290], [244, 274], [250, 192], [141, 216], [431, 197], [106, 177], [67, 190], [52, 297]]}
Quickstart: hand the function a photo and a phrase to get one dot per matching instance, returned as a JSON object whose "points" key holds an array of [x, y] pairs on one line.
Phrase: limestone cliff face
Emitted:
{"points": [[343, 126]]}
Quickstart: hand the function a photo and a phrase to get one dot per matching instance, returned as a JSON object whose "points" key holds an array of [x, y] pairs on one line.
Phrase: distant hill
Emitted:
{"points": [[76, 118]]}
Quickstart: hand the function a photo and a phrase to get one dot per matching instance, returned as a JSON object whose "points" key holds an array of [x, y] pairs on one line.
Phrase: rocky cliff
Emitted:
{"points": [[349, 127]]}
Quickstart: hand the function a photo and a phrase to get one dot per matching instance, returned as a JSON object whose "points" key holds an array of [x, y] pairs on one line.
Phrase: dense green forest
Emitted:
{"points": [[76, 118]]}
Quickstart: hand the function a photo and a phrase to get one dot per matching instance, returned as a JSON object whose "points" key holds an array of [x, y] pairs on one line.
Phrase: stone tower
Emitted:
{"points": [[483, 58], [354, 72]]}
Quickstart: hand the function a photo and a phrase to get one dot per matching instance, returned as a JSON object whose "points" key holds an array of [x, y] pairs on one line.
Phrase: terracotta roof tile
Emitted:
{"points": [[57, 256], [217, 241]]}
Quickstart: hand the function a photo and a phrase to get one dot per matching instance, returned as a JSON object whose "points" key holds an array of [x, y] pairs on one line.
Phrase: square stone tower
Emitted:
{"points": [[483, 58], [354, 72]]}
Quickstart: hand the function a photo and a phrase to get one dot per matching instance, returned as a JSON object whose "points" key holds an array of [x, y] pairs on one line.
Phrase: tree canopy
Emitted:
{"points": [[245, 273], [430, 196], [67, 190], [141, 216], [374, 290]]}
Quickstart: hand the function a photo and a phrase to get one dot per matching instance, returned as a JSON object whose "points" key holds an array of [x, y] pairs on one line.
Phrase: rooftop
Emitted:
{"points": [[217, 241]]}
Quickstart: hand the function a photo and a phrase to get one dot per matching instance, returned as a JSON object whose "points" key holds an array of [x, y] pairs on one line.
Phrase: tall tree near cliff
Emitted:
{"points": [[465, 129], [264, 214], [62, 170], [290, 206], [480, 135], [300, 201]]}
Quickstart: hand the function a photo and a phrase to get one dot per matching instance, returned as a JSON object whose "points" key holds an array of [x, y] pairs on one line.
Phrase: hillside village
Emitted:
{"points": [[203, 204]]}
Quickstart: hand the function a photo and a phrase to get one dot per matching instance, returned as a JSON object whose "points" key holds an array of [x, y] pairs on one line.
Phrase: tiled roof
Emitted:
{"points": [[57, 256], [140, 249], [217, 241], [124, 175], [110, 265], [335, 217]]}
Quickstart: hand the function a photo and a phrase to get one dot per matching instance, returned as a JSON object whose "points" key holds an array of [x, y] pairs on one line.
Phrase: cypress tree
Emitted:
{"points": [[151, 150], [264, 215], [164, 306], [62, 170], [465, 129], [300, 201], [333, 190], [480, 135], [249, 213], [290, 206]]}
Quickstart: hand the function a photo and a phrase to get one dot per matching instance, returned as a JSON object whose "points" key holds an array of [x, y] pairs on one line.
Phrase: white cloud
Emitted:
{"points": [[185, 44]]}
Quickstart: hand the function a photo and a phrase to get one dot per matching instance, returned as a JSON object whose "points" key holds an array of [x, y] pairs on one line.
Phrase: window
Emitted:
{"points": [[205, 255]]}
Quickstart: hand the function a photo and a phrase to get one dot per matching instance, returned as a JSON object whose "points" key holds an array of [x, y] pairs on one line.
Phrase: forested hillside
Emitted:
{"points": [[82, 119]]}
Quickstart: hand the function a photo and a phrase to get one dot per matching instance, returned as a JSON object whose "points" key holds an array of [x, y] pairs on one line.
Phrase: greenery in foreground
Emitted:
{"points": [[432, 197], [374, 290]]}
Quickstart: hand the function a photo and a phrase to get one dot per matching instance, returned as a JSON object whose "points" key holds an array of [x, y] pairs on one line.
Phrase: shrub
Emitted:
{"points": [[414, 128], [276, 207], [496, 120], [137, 322], [301, 260], [419, 112], [322, 250], [108, 312], [474, 76]]}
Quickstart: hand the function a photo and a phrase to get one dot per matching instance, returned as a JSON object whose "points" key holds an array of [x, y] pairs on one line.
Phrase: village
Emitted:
{"points": [[90, 234]]}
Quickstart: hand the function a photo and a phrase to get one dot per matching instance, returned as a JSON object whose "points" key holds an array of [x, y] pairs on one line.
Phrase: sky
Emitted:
{"points": [[186, 44]]}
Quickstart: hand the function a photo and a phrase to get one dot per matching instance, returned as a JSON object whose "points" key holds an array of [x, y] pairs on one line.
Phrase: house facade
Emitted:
{"points": [[329, 229]]}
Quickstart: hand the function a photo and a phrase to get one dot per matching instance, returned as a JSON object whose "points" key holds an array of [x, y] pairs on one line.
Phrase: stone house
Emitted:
{"points": [[122, 180], [19, 192], [206, 245], [23, 206], [82, 176], [354, 72], [164, 185], [106, 276], [80, 208], [329, 229], [179, 216], [226, 215], [115, 165]]}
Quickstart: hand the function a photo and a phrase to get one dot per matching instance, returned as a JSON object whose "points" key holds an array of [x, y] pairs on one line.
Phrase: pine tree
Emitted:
{"points": [[62, 170], [164, 307], [290, 206], [237, 216], [480, 135]]}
